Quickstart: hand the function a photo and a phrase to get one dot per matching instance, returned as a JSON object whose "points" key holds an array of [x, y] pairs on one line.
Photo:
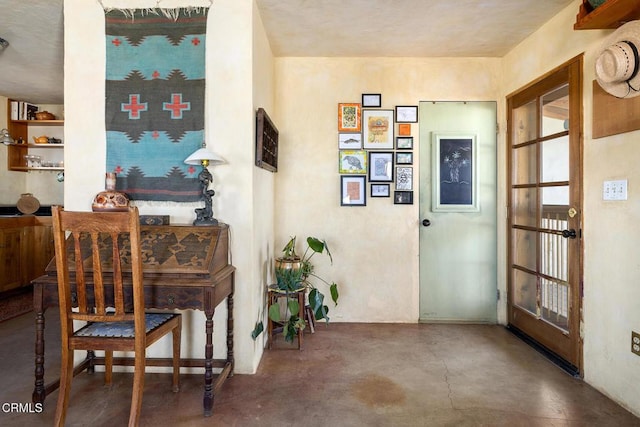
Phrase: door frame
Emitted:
{"points": [[571, 72]]}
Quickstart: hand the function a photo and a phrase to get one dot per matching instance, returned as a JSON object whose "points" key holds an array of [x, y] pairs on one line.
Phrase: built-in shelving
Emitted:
{"points": [[19, 129], [609, 15]]}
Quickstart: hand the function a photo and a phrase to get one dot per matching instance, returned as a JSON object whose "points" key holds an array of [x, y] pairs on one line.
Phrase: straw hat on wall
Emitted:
{"points": [[617, 63]]}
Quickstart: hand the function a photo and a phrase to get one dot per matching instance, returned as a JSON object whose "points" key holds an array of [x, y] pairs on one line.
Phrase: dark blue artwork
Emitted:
{"points": [[456, 167]]}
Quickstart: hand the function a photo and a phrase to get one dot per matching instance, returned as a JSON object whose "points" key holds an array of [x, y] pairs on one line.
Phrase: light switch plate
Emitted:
{"points": [[614, 190]]}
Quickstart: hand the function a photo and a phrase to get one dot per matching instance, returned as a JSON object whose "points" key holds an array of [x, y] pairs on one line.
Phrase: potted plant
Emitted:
{"points": [[295, 273]]}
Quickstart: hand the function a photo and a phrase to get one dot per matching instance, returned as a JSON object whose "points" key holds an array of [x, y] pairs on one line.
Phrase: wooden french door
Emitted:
{"points": [[545, 211]]}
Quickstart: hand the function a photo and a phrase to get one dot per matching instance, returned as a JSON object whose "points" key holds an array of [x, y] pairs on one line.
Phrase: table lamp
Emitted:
{"points": [[204, 157]]}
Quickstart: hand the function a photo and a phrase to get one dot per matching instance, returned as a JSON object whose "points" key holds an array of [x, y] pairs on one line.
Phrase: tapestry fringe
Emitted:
{"points": [[169, 13]]}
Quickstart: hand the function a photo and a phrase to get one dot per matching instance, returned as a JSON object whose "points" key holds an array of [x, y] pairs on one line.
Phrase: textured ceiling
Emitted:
{"points": [[31, 68], [412, 28]]}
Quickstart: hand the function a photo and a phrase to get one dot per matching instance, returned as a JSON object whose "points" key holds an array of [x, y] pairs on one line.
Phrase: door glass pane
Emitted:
{"points": [[557, 196], [524, 247], [555, 111], [524, 206], [524, 165], [554, 302], [525, 293], [524, 125], [553, 255], [555, 160]]}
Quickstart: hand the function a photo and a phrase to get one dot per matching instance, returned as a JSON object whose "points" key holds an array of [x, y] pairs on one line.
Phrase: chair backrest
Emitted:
{"points": [[100, 247]]}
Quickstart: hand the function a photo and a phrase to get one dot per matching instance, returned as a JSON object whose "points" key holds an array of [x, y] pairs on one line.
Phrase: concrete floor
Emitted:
{"points": [[346, 375]]}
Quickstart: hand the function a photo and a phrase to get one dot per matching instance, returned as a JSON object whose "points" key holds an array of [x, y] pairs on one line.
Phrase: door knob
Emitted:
{"points": [[569, 234], [426, 222]]}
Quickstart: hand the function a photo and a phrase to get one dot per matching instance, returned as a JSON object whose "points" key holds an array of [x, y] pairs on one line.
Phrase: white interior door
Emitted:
{"points": [[458, 235]]}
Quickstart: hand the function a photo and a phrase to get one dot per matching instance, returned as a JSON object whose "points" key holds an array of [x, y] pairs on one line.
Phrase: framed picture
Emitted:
{"points": [[404, 129], [349, 117], [353, 161], [350, 141], [404, 178], [381, 166], [403, 197], [380, 190], [404, 158], [266, 142], [454, 173], [407, 114], [377, 129], [371, 100], [352, 192], [404, 142]]}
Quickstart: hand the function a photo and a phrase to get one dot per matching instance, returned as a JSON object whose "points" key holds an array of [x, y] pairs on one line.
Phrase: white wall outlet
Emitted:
{"points": [[614, 190]]}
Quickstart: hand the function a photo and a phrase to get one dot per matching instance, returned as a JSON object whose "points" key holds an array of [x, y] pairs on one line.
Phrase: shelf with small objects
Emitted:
{"points": [[36, 138], [609, 14]]}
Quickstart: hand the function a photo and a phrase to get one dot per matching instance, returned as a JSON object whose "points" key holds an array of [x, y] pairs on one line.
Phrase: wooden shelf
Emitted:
{"points": [[40, 145], [609, 15], [40, 122], [20, 129]]}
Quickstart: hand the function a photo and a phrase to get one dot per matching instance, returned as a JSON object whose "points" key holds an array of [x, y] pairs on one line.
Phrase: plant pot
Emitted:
{"points": [[288, 263], [288, 274]]}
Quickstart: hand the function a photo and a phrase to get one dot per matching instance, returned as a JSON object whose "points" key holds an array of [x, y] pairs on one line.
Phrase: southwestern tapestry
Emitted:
{"points": [[155, 91]]}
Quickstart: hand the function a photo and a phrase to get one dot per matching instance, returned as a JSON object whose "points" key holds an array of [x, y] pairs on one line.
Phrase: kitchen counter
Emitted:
{"points": [[12, 210]]}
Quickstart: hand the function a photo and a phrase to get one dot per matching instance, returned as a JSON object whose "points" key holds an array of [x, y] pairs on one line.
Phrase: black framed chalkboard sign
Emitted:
{"points": [[266, 142]]}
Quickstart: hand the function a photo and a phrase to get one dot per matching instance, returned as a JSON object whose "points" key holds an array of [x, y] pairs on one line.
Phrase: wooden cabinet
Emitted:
{"points": [[51, 154], [26, 247], [609, 15], [10, 258]]}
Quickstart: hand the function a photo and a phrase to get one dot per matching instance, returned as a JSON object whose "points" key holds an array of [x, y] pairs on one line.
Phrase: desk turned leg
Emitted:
{"points": [[230, 355], [39, 393], [208, 366]]}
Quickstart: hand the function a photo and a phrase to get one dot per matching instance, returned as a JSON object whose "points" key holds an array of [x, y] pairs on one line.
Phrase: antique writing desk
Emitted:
{"points": [[185, 267]]}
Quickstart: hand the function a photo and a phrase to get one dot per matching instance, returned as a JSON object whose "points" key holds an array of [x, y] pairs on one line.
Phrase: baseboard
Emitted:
{"points": [[553, 357]]}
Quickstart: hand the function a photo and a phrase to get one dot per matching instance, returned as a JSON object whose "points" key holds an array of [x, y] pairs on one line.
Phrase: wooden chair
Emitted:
{"points": [[85, 263]]}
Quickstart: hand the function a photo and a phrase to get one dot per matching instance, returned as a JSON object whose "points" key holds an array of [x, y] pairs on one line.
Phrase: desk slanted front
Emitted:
{"points": [[185, 267]]}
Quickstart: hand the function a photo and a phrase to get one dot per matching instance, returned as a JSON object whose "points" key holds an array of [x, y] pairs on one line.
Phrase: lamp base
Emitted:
{"points": [[205, 221]]}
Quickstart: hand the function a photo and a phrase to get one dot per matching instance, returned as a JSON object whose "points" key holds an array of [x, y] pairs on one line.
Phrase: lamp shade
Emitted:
{"points": [[202, 154]]}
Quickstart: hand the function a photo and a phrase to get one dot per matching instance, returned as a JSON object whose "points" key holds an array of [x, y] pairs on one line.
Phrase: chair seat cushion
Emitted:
{"points": [[123, 329]]}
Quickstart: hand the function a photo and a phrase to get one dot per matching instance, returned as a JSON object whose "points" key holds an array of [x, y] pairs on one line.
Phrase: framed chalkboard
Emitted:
{"points": [[266, 142]]}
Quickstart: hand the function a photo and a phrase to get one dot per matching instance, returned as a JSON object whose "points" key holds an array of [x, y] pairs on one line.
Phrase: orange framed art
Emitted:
{"points": [[404, 129], [349, 117]]}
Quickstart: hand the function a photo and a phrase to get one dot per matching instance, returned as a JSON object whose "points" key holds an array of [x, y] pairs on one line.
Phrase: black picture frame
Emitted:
{"points": [[404, 142], [353, 190], [406, 114], [266, 142], [380, 190], [380, 166], [403, 197], [371, 100], [404, 178], [404, 158]]}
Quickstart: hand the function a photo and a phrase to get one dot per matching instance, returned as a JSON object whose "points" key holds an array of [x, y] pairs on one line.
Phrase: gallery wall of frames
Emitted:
{"points": [[375, 151]]}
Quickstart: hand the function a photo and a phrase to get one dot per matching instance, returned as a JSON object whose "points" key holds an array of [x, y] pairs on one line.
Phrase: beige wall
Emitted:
{"points": [[610, 231], [375, 248], [241, 193]]}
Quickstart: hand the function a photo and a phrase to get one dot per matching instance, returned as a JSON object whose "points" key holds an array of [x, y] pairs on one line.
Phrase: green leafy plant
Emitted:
{"points": [[294, 273]]}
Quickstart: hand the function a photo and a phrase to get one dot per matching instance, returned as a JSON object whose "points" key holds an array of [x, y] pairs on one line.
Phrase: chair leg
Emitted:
{"points": [[138, 388], [108, 367], [66, 375], [176, 334]]}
